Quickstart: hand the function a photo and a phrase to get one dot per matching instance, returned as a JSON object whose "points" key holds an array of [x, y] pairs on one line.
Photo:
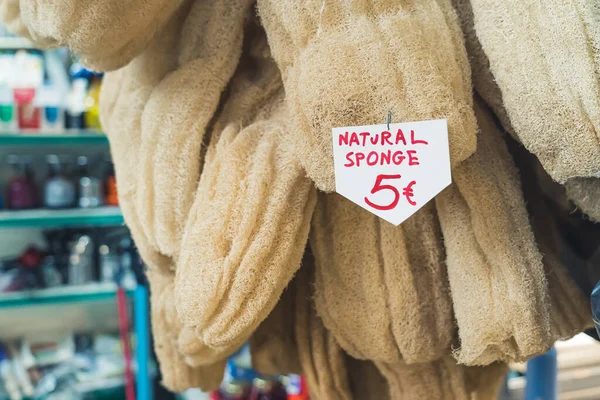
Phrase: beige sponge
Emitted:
{"points": [[156, 120], [443, 379], [106, 34], [349, 63], [273, 344], [366, 382], [321, 357], [498, 285], [10, 16], [585, 193], [381, 290], [545, 59], [245, 236], [177, 375]]}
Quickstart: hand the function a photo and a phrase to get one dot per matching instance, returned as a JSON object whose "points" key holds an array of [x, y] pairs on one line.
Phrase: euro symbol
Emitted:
{"points": [[408, 193]]}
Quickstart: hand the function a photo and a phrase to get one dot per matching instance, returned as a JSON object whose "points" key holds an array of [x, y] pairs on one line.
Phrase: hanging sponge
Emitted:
{"points": [[349, 63], [321, 358], [381, 289], [497, 280], [545, 58], [166, 326]]}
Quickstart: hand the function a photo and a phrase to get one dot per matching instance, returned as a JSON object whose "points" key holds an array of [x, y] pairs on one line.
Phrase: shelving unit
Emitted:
{"points": [[101, 216], [83, 137], [60, 295], [15, 43]]}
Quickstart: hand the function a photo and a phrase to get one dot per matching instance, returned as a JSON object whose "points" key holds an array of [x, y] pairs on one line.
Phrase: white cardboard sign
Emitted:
{"points": [[392, 172]]}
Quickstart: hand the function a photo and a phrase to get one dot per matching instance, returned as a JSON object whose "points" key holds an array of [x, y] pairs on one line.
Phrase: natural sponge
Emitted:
{"points": [[585, 193], [381, 289], [245, 236], [106, 34], [443, 379], [499, 289], [544, 56], [321, 357], [349, 63], [273, 344], [10, 15], [166, 326], [157, 110]]}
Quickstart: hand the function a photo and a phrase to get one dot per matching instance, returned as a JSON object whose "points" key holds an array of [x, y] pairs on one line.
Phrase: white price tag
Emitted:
{"points": [[392, 172]]}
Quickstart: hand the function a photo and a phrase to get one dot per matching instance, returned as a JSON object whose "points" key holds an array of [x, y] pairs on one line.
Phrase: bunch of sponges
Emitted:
{"points": [[220, 129]]}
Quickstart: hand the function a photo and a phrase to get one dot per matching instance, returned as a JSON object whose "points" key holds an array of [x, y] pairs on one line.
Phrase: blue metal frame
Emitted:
{"points": [[142, 331], [541, 377]]}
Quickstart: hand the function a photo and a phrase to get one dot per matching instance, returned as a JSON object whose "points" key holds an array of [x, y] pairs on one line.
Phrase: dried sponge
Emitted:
{"points": [[585, 193], [349, 62], [321, 358], [166, 326], [381, 290], [545, 58], [366, 382], [156, 121], [273, 344], [245, 236], [106, 34], [443, 379], [10, 16], [495, 270]]}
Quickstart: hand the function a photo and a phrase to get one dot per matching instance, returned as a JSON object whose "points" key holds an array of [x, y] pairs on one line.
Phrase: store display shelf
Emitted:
{"points": [[15, 43], [82, 137], [101, 216], [59, 295], [109, 384]]}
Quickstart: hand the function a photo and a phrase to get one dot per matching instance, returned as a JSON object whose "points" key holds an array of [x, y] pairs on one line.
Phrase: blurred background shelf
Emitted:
{"points": [[15, 43], [101, 216], [83, 137], [59, 295]]}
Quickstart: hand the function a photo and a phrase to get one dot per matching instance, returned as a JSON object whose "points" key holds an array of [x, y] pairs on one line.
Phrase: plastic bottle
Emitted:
{"points": [[110, 184], [92, 104], [234, 390], [11, 384], [28, 109], [20, 194], [89, 188], [267, 389], [81, 261], [75, 112], [109, 263], [8, 122], [29, 67], [51, 106], [296, 388], [59, 192]]}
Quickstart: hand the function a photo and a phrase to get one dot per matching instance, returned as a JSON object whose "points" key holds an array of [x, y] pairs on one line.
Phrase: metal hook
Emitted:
{"points": [[389, 119]]}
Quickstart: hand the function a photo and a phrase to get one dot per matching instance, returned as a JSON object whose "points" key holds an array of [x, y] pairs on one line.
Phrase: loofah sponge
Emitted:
{"points": [[273, 344], [251, 216], [156, 120], [495, 270], [483, 80], [381, 290], [106, 34], [347, 63], [249, 223], [570, 310], [545, 60], [10, 15], [177, 375], [585, 193], [443, 379], [366, 381], [321, 357]]}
